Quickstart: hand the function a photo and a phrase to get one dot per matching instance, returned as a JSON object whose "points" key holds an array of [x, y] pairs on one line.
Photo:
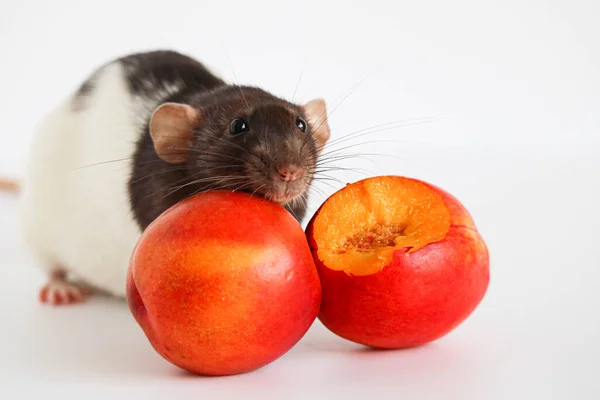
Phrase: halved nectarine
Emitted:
{"points": [[400, 261]]}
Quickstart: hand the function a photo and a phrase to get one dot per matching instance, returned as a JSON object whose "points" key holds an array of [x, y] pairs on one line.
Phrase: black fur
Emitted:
{"points": [[273, 138], [79, 100], [146, 72]]}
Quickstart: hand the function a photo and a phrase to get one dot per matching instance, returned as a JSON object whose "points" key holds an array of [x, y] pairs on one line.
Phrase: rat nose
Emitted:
{"points": [[290, 173]]}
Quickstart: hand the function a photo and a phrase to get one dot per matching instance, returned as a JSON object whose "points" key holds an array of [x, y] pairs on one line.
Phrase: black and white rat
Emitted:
{"points": [[142, 133]]}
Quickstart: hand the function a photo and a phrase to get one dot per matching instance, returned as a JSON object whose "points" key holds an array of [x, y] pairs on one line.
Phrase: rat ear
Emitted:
{"points": [[316, 115], [171, 127]]}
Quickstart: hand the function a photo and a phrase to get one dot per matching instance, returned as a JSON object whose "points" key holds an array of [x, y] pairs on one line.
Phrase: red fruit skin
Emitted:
{"points": [[419, 297], [223, 283]]}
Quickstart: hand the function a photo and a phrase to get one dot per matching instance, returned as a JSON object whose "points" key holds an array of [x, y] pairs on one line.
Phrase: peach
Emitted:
{"points": [[223, 283], [400, 261]]}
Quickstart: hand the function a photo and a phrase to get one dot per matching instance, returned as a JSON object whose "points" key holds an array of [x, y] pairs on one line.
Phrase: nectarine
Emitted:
{"points": [[223, 283], [400, 261]]}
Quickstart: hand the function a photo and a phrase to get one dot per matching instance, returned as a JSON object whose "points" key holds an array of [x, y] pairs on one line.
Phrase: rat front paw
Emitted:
{"points": [[58, 291]]}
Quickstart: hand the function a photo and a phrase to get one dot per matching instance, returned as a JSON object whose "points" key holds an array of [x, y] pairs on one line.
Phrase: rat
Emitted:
{"points": [[142, 133]]}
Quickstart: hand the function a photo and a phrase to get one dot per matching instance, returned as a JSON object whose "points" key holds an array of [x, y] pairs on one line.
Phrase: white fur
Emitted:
{"points": [[76, 215]]}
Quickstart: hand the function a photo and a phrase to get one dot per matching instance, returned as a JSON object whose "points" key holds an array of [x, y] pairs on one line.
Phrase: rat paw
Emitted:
{"points": [[58, 291]]}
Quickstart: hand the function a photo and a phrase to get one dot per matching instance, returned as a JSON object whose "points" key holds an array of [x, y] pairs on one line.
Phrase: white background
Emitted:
{"points": [[516, 88]]}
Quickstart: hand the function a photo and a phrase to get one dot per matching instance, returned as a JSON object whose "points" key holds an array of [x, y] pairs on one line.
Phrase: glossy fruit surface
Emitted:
{"points": [[400, 261], [223, 283]]}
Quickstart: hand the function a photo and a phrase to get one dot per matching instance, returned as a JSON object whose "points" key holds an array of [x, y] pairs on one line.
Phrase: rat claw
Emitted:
{"points": [[44, 294], [62, 296], [53, 297]]}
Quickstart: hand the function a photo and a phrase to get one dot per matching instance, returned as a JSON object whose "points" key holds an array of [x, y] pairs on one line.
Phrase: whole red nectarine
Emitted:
{"points": [[400, 261], [223, 283]]}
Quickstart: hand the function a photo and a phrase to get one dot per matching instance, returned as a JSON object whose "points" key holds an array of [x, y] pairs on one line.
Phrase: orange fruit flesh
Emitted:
{"points": [[359, 227]]}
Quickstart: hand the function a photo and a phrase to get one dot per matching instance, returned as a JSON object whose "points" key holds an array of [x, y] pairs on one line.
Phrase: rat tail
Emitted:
{"points": [[9, 185]]}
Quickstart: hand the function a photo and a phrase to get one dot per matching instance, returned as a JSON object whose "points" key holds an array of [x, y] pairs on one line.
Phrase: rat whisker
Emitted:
{"points": [[104, 162], [213, 179], [326, 168], [305, 141], [330, 149], [290, 208], [226, 186], [361, 144], [186, 177], [149, 175], [326, 183], [235, 78], [230, 143], [258, 188], [319, 191], [299, 79], [333, 160], [361, 171], [243, 186], [322, 177], [384, 127], [304, 196], [191, 179], [128, 159], [218, 155], [327, 162], [219, 180], [341, 157], [375, 141], [352, 90]]}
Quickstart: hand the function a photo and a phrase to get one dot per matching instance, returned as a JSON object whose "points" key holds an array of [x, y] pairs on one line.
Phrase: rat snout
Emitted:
{"points": [[287, 183], [290, 173]]}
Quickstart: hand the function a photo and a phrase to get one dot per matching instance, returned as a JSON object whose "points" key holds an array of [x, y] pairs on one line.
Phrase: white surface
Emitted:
{"points": [[518, 88]]}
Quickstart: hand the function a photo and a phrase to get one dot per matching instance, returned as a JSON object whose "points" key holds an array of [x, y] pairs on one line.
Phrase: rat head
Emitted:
{"points": [[244, 138]]}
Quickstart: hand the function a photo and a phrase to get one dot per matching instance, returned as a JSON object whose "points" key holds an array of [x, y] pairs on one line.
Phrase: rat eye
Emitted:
{"points": [[238, 126], [300, 123]]}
